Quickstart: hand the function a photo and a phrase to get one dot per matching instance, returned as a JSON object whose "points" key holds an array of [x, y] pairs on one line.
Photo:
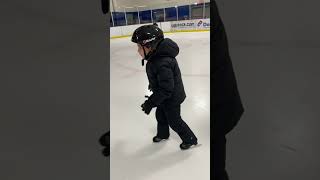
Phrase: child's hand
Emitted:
{"points": [[147, 107], [149, 88]]}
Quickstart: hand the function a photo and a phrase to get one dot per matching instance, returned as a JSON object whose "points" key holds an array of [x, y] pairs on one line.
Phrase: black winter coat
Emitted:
{"points": [[227, 106], [164, 75], [105, 6]]}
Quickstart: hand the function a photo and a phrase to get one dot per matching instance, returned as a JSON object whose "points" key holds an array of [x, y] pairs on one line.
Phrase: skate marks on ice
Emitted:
{"points": [[127, 61], [132, 71], [145, 162]]}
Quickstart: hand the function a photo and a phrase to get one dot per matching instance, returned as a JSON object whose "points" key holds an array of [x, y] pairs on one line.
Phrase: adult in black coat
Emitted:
{"points": [[227, 107], [105, 138]]}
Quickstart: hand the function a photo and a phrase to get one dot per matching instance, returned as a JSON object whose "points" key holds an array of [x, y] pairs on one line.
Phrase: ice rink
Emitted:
{"points": [[133, 154]]}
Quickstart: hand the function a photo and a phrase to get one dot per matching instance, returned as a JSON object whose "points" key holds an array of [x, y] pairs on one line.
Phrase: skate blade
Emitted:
{"points": [[160, 141], [192, 147]]}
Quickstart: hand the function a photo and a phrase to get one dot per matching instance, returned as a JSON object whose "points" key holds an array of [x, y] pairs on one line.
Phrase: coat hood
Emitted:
{"points": [[166, 48]]}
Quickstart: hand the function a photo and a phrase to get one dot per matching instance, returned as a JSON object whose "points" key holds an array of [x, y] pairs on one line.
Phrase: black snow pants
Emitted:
{"points": [[169, 116]]}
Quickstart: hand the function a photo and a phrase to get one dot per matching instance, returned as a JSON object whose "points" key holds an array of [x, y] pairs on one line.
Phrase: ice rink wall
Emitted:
{"points": [[171, 26]]}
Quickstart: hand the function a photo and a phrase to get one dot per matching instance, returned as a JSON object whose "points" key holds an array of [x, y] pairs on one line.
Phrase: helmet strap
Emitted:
{"points": [[145, 55]]}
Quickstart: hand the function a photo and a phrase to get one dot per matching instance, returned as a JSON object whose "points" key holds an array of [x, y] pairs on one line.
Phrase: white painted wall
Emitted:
{"points": [[116, 31], [165, 26]]}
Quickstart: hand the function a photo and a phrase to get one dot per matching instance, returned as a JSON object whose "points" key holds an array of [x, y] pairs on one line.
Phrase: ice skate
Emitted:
{"points": [[157, 139], [185, 146]]}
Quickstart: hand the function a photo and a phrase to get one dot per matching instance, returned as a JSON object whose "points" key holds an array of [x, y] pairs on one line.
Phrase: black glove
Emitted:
{"points": [[106, 151], [147, 106], [149, 88], [105, 141]]}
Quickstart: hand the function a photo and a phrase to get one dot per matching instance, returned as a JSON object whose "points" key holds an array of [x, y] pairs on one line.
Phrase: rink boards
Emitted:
{"points": [[172, 26]]}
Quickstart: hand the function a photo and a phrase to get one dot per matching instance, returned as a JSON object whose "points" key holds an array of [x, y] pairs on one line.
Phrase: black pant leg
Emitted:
{"points": [[219, 158], [220, 117], [178, 125], [162, 126]]}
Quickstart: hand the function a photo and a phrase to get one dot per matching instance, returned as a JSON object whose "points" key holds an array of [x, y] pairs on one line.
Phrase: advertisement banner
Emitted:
{"points": [[203, 24], [197, 24]]}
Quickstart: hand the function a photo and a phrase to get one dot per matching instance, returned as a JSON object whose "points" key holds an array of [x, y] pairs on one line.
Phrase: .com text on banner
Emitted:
{"points": [[197, 24]]}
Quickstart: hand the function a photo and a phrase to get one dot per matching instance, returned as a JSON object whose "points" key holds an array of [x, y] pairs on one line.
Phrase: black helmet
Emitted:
{"points": [[147, 35]]}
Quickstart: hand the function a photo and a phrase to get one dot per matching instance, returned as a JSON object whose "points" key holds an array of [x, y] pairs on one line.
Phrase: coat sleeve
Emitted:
{"points": [[165, 80], [105, 6]]}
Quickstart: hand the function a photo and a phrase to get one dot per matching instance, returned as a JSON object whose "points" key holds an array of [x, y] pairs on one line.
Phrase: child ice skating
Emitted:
{"points": [[165, 82]]}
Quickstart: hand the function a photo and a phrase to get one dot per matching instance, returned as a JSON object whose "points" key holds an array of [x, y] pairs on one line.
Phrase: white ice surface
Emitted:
{"points": [[133, 155]]}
